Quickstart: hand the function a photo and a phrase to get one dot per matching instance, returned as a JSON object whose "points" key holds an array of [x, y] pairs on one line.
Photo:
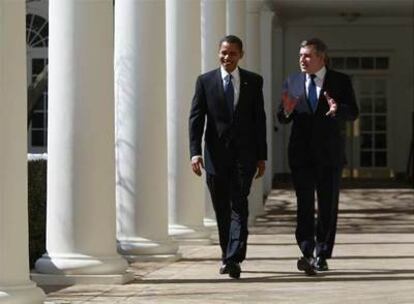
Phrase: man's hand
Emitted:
{"points": [[333, 107], [261, 167], [197, 164], [288, 102]]}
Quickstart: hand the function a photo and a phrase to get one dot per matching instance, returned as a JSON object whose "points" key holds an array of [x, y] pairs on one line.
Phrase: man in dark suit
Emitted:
{"points": [[318, 101], [235, 147]]}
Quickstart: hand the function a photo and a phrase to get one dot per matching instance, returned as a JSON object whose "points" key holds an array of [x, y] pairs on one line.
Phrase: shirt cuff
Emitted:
{"points": [[195, 157]]}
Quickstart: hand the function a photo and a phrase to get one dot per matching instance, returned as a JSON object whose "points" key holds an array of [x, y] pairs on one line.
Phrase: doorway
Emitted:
{"points": [[367, 148]]}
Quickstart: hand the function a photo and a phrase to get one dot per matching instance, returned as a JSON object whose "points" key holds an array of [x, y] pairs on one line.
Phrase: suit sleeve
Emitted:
{"points": [[197, 119], [281, 111], [261, 123], [347, 106]]}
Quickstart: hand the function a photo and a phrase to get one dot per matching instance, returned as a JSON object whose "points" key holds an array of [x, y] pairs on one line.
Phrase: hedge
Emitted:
{"points": [[37, 207]]}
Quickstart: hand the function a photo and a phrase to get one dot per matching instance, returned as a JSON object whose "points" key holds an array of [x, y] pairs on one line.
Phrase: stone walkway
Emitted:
{"points": [[373, 261]]}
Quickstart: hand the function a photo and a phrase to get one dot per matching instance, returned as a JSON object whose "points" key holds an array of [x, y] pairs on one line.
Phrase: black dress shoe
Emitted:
{"points": [[306, 265], [234, 270], [223, 269], [321, 264]]}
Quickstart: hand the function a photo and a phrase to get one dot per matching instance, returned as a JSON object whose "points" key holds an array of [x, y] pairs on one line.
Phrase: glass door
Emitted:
{"points": [[367, 137], [367, 143]]}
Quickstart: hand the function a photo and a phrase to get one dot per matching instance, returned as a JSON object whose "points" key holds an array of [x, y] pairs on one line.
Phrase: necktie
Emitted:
{"points": [[229, 92], [313, 98]]}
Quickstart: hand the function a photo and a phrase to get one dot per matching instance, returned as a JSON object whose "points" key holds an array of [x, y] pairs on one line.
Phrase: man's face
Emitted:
{"points": [[309, 60], [229, 55]]}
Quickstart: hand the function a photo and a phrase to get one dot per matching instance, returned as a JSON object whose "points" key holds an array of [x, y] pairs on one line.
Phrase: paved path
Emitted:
{"points": [[373, 261]]}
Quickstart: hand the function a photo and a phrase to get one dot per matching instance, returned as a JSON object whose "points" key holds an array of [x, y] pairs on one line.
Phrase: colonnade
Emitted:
{"points": [[120, 185]]}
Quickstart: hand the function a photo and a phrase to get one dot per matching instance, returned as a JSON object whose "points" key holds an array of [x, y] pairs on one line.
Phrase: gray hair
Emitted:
{"points": [[320, 47]]}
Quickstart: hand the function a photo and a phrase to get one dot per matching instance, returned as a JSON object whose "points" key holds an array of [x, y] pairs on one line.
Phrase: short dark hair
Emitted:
{"points": [[320, 46], [232, 39]]}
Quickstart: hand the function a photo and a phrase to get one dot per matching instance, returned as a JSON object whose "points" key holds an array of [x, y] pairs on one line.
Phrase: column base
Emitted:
{"points": [[210, 223], [79, 264], [153, 258], [251, 220], [72, 279], [141, 249], [22, 294], [260, 209], [255, 198], [190, 235]]}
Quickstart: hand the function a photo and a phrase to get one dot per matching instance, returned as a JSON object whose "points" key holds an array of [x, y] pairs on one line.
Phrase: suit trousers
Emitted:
{"points": [[229, 191], [325, 180]]}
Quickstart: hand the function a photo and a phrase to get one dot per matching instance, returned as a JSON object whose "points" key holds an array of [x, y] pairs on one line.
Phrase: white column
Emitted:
{"points": [[213, 28], [141, 131], [252, 51], [236, 21], [253, 35], [280, 138], [15, 284], [185, 190], [236, 18], [81, 222], [266, 26]]}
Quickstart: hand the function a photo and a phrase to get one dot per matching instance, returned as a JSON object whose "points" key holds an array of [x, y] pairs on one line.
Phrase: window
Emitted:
{"points": [[369, 75], [37, 31], [372, 93], [360, 63], [37, 39]]}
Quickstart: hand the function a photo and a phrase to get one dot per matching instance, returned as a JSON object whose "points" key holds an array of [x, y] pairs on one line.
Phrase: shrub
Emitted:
{"points": [[37, 207]]}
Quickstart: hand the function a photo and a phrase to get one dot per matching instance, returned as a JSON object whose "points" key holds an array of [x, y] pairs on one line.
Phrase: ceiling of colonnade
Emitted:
{"points": [[292, 9]]}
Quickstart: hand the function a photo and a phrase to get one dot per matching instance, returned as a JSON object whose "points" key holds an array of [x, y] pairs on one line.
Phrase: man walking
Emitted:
{"points": [[231, 100], [318, 101]]}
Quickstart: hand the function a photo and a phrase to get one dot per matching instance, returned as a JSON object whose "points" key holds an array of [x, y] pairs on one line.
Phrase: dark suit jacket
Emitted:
{"points": [[316, 138], [240, 136]]}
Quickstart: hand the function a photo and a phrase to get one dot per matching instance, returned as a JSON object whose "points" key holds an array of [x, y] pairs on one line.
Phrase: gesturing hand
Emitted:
{"points": [[332, 105], [289, 103]]}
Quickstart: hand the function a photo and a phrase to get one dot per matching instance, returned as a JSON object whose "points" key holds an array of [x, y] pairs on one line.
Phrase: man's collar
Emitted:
{"points": [[319, 74], [235, 73]]}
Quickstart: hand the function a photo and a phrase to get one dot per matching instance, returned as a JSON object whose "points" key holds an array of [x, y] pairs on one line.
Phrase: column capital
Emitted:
{"points": [[268, 5], [254, 7]]}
